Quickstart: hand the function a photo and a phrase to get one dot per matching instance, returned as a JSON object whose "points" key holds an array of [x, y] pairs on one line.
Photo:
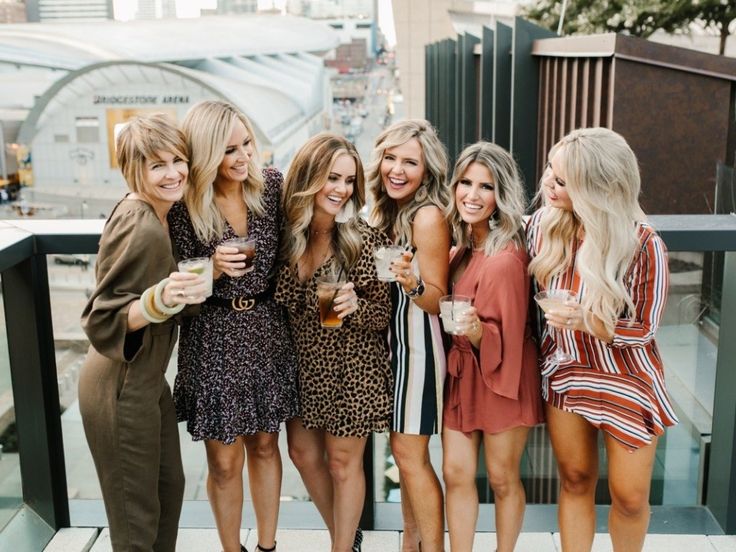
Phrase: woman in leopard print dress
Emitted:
{"points": [[344, 373]]}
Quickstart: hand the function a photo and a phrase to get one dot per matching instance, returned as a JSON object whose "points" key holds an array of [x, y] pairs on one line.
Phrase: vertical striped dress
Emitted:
{"points": [[418, 365], [619, 386]]}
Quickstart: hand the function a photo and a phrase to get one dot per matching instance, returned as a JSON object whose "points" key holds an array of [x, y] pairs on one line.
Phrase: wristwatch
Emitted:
{"points": [[417, 291]]}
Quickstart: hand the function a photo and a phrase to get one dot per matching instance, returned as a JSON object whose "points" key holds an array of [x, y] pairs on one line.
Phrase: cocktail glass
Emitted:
{"points": [[555, 299]]}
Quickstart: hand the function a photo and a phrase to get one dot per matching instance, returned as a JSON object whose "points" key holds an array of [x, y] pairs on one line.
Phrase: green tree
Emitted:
{"points": [[635, 17]]}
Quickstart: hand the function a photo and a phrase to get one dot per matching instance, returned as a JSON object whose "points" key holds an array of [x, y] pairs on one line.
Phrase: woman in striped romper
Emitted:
{"points": [[590, 237], [408, 179]]}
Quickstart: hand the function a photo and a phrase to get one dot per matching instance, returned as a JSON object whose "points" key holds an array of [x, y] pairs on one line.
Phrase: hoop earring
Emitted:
{"points": [[492, 221], [421, 194], [346, 213]]}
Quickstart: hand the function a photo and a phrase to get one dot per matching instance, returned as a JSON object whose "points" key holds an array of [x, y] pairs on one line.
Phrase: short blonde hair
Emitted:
{"points": [[141, 140]]}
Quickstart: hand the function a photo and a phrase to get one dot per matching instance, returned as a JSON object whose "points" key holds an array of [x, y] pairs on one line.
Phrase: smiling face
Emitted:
{"points": [[164, 179], [475, 196], [402, 170], [554, 182], [338, 189], [238, 152]]}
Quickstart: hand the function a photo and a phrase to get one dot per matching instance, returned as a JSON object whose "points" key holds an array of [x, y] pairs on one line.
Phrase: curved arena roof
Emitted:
{"points": [[262, 63]]}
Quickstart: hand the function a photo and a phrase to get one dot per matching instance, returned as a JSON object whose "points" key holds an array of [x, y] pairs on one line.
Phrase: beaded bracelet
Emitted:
{"points": [[158, 300]]}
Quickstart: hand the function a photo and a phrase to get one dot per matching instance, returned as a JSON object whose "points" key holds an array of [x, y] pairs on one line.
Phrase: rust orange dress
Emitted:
{"points": [[496, 387]]}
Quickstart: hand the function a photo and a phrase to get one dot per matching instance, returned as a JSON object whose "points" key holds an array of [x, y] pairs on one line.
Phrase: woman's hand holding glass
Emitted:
{"points": [[468, 324], [184, 288], [404, 271], [346, 301], [227, 260], [569, 316]]}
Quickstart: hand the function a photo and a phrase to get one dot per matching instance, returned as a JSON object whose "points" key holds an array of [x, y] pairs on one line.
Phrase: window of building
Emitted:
{"points": [[88, 130]]}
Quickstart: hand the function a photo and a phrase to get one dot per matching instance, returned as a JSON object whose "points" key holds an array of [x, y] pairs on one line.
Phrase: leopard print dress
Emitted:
{"points": [[345, 377]]}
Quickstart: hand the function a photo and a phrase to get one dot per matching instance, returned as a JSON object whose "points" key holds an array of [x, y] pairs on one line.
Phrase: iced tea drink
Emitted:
{"points": [[327, 290], [245, 247]]}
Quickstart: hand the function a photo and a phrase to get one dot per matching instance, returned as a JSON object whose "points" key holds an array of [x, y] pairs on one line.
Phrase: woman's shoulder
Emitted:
{"points": [[136, 214], [648, 237], [428, 216], [511, 257], [272, 177]]}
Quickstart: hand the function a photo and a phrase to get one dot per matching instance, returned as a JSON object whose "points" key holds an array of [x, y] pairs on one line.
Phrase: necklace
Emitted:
{"points": [[322, 232]]}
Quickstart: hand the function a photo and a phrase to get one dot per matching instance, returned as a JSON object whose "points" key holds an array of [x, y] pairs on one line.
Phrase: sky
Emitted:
{"points": [[125, 10]]}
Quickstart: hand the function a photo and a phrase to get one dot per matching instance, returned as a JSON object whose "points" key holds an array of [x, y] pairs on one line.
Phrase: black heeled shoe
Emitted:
{"points": [[358, 540], [259, 548], [243, 548]]}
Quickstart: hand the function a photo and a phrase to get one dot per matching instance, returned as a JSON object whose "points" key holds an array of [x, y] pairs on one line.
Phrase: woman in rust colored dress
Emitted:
{"points": [[492, 390]]}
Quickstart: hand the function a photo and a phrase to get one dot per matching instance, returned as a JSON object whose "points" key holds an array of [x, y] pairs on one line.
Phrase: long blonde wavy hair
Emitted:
{"points": [[385, 213], [208, 126], [603, 183], [307, 175], [506, 222]]}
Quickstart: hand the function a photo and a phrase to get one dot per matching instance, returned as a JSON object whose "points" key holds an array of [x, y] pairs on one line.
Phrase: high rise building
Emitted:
{"points": [[69, 10], [328, 9], [155, 9], [12, 11], [237, 6]]}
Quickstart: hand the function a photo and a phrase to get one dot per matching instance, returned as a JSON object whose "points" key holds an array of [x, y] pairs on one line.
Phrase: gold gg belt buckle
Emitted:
{"points": [[242, 304]]}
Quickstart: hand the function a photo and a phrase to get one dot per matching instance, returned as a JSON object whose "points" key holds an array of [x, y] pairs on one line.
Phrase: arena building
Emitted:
{"points": [[270, 66]]}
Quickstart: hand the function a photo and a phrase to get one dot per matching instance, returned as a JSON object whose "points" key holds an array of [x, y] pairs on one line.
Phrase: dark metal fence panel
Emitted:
{"points": [[502, 82], [525, 91], [485, 95]]}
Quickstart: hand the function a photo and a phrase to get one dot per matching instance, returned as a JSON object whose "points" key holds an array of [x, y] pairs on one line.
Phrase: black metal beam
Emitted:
{"points": [[35, 392]]}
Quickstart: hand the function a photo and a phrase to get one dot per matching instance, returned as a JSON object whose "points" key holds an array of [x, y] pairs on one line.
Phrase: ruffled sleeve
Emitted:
{"points": [[134, 254], [374, 301], [502, 301], [649, 280]]}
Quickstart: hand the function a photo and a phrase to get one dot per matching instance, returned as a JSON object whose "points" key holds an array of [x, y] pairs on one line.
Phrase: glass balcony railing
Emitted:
{"points": [[47, 273]]}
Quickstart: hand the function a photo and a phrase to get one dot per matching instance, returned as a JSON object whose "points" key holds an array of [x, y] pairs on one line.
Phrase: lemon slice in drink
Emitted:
{"points": [[197, 269], [380, 253]]}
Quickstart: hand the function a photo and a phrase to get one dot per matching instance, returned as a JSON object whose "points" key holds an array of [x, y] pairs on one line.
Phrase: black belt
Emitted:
{"points": [[241, 304]]}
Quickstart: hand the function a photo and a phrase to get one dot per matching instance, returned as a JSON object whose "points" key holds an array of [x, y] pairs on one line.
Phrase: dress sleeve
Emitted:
{"points": [[130, 258], [648, 288], [502, 302], [374, 300]]}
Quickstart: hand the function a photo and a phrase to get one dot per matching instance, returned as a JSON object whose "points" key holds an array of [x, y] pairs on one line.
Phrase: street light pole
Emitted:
{"points": [[562, 17]]}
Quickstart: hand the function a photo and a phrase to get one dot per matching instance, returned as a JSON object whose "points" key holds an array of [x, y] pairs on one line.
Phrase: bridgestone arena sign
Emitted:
{"points": [[139, 100]]}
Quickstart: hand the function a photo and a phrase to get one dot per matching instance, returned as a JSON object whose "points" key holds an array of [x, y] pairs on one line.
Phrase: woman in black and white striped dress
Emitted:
{"points": [[408, 178]]}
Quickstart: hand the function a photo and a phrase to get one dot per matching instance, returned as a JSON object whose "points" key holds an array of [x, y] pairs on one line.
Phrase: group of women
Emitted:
{"points": [[254, 354]]}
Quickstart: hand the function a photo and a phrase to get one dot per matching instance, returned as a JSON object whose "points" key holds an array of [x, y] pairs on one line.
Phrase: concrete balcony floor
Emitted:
{"points": [[202, 540]]}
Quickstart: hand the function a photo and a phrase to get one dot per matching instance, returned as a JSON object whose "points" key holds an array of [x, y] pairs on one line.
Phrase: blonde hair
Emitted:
{"points": [[603, 183], [506, 221], [307, 175], [385, 214], [141, 140], [208, 126]]}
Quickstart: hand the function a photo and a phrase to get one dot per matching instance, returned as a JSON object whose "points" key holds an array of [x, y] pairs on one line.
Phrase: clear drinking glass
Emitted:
{"points": [[555, 299], [452, 307]]}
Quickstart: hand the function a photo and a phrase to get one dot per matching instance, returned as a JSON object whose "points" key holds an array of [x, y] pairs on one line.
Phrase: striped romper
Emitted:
{"points": [[418, 365], [617, 387]]}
